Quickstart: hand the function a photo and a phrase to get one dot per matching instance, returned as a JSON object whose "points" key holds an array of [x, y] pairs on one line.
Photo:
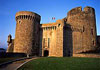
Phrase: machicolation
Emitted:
{"points": [[70, 36]]}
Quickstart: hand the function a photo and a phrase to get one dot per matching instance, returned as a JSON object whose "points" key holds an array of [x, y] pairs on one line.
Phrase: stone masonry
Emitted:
{"points": [[74, 34]]}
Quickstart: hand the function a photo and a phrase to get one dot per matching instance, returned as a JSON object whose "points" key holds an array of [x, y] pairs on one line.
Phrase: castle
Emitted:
{"points": [[71, 35]]}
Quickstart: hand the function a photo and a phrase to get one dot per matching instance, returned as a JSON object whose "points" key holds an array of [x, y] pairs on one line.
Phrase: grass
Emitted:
{"points": [[2, 60], [66, 63]]}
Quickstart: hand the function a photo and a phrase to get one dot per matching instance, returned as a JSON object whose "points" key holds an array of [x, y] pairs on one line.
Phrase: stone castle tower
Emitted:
{"points": [[27, 32], [71, 35], [83, 25]]}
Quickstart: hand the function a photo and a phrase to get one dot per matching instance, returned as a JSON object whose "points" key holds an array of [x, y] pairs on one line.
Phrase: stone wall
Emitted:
{"points": [[27, 33], [67, 41], [54, 32], [74, 34], [11, 46], [49, 38], [87, 55], [83, 25], [59, 38]]}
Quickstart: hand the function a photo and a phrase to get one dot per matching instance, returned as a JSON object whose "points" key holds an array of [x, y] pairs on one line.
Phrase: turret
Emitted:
{"points": [[9, 39], [27, 33]]}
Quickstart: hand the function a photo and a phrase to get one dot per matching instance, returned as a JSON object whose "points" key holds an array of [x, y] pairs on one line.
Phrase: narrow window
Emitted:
{"points": [[19, 22], [83, 29], [92, 31], [93, 43], [58, 25], [48, 42], [43, 42]]}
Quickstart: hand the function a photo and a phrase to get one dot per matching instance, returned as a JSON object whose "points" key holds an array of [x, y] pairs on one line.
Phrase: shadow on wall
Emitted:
{"points": [[98, 41], [40, 45], [46, 53], [67, 41], [4, 55]]}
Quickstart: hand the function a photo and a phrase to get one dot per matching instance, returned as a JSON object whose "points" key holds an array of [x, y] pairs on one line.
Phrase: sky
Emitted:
{"points": [[46, 8]]}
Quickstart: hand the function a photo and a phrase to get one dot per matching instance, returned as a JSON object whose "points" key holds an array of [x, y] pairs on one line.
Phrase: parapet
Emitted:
{"points": [[89, 9], [79, 10], [27, 15], [75, 10]]}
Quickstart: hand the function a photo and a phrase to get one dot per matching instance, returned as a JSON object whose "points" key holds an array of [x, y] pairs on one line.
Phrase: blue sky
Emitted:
{"points": [[46, 8]]}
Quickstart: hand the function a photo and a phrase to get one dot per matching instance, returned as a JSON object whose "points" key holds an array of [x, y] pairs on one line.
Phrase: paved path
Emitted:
{"points": [[15, 65]]}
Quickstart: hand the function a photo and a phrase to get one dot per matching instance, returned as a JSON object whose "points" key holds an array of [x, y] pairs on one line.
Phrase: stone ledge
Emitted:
{"points": [[87, 55]]}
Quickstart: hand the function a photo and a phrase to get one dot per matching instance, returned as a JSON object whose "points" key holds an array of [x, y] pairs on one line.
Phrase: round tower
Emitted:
{"points": [[83, 25], [27, 33]]}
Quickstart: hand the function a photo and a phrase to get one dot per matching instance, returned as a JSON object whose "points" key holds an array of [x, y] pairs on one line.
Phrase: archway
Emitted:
{"points": [[46, 53]]}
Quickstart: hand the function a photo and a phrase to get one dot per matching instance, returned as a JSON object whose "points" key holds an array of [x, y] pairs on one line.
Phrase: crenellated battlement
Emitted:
{"points": [[71, 35], [27, 15], [49, 28], [78, 10], [75, 11], [89, 9], [27, 29]]}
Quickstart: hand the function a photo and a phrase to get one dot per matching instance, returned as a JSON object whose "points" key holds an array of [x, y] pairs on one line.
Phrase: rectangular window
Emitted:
{"points": [[43, 42], [48, 42]]}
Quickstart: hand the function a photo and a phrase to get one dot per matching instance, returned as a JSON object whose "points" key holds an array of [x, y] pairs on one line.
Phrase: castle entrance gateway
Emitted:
{"points": [[46, 53]]}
